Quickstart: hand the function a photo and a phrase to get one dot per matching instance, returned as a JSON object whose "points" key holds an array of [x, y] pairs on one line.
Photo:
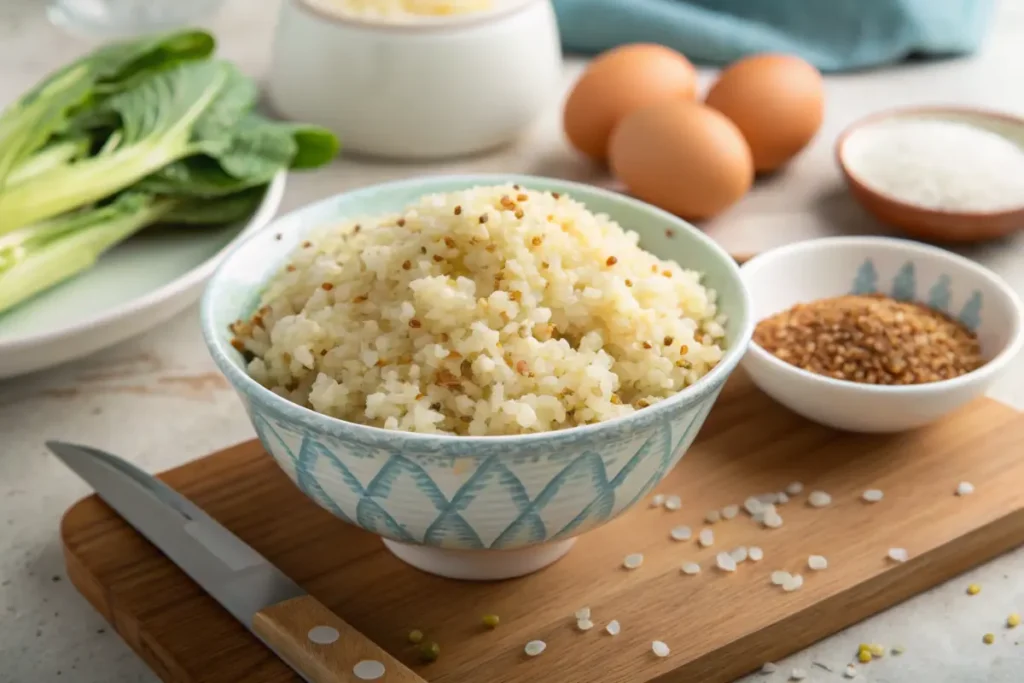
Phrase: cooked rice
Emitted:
{"points": [[488, 311]]}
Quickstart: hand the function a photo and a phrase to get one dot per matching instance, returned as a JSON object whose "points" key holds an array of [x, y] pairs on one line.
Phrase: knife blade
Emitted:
{"points": [[317, 644]]}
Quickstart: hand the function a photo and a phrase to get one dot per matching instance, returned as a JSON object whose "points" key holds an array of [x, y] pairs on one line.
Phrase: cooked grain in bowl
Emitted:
{"points": [[488, 311]]}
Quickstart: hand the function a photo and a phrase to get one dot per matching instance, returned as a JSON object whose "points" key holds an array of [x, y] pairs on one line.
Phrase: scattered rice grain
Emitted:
{"points": [[730, 511], [794, 488], [713, 516], [660, 649], [633, 560], [964, 488], [658, 500], [725, 562], [872, 496], [535, 647], [706, 538], [794, 583], [740, 554], [673, 503], [690, 568], [797, 675], [898, 554], [819, 499], [681, 533], [755, 553], [780, 577], [817, 562]]}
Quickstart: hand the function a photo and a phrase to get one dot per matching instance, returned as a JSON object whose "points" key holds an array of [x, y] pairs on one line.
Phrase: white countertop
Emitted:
{"points": [[158, 400]]}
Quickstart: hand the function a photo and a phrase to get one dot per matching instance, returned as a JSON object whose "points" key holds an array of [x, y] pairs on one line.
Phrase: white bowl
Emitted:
{"points": [[815, 269], [429, 88]]}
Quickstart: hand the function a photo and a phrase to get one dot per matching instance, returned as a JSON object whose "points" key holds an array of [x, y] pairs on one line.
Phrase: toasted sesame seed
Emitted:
{"points": [[668, 341], [406, 265], [458, 209], [483, 218], [415, 324], [327, 286]]}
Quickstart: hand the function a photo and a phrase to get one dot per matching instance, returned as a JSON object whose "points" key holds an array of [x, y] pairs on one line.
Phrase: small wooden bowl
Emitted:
{"points": [[930, 224]]}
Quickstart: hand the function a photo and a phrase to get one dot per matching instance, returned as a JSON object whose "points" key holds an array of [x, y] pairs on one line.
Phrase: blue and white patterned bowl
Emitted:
{"points": [[436, 499], [905, 270]]}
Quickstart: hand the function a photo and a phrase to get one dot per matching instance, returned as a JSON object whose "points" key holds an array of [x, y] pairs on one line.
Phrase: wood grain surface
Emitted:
{"points": [[719, 626], [288, 627]]}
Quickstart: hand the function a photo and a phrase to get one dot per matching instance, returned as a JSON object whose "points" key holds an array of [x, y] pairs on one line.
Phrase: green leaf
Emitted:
{"points": [[316, 146], [230, 209]]}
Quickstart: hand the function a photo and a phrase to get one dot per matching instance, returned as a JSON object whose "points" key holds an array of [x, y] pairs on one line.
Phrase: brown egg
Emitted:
{"points": [[682, 157], [777, 101], [620, 81]]}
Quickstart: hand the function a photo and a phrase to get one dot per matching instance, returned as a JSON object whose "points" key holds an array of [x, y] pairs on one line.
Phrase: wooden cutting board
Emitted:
{"points": [[719, 626]]}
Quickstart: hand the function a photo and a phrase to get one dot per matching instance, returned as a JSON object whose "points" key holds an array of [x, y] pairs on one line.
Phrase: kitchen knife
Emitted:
{"points": [[312, 640]]}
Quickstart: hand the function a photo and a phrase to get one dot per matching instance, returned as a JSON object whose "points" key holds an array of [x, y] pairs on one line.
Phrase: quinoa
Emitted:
{"points": [[871, 339], [438, 322]]}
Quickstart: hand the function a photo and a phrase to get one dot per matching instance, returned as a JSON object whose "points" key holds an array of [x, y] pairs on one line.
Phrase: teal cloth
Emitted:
{"points": [[834, 35]]}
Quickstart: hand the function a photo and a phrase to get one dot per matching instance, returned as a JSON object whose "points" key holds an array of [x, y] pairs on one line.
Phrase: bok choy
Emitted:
{"points": [[153, 131]]}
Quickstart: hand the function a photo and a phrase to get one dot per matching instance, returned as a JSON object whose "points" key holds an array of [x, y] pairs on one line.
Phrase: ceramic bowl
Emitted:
{"points": [[905, 270], [923, 223], [438, 501], [423, 89]]}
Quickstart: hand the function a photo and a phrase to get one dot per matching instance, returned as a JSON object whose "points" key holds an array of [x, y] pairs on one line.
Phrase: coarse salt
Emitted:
{"points": [[659, 649], [819, 499], [673, 503], [817, 562], [633, 560], [535, 647], [613, 627], [706, 537], [681, 533], [690, 568], [794, 488], [872, 496], [898, 554], [964, 488], [940, 165], [725, 562], [755, 553], [730, 511]]}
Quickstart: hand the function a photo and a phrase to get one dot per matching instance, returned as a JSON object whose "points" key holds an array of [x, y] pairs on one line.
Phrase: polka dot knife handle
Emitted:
{"points": [[323, 648]]}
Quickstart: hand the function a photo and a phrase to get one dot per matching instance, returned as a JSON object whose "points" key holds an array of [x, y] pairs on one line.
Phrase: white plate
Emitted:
{"points": [[135, 286]]}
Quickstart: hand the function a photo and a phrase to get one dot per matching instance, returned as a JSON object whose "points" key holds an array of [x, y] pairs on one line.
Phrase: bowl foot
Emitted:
{"points": [[480, 565]]}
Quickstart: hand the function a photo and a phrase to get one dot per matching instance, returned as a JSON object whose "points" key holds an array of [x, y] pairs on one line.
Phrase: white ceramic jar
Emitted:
{"points": [[421, 89]]}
